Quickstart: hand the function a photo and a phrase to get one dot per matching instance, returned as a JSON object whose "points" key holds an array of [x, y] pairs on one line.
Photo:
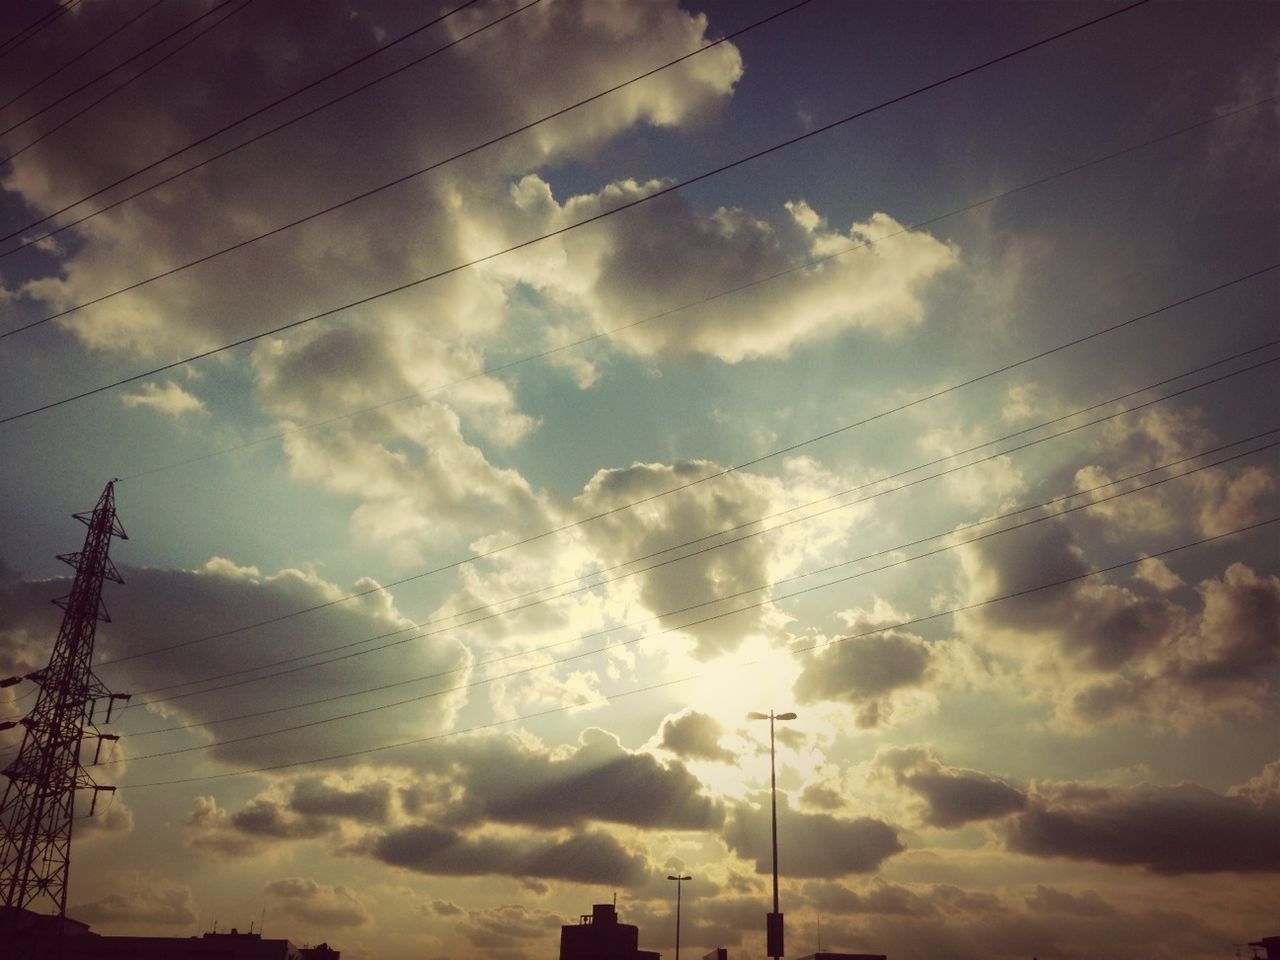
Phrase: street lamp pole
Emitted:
{"points": [[679, 879], [773, 925]]}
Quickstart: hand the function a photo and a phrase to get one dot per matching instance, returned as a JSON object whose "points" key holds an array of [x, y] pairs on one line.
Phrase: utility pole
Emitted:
{"points": [[679, 878], [38, 809], [773, 922]]}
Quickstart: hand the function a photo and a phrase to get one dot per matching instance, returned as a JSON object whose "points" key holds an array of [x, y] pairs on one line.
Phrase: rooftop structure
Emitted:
{"points": [[599, 936]]}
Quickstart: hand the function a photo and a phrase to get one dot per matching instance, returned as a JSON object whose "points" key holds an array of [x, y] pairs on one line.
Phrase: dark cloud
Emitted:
{"points": [[811, 844], [696, 736], [879, 897], [160, 906], [1099, 626], [156, 607], [317, 904], [509, 925], [1167, 830], [823, 798], [446, 908], [589, 857], [499, 779], [369, 804], [264, 818], [1127, 650], [865, 671], [952, 796], [1050, 901], [208, 827], [701, 511]]}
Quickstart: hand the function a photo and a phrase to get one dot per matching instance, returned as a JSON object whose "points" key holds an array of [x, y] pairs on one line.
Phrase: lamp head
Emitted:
{"points": [[757, 716], [785, 716]]}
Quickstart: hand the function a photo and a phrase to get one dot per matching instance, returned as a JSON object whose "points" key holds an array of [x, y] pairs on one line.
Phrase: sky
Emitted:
{"points": [[504, 401]]}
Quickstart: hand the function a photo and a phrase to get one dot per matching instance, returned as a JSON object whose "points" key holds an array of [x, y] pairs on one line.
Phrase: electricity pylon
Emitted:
{"points": [[38, 809]]}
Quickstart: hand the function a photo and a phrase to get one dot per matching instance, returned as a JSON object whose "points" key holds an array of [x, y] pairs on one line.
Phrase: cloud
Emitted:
{"points": [[168, 906], [952, 796], [817, 844], [169, 399], [314, 903], [209, 827], [870, 673], [701, 511], [496, 779], [369, 803], [696, 736], [1047, 900], [262, 818], [878, 897], [221, 596], [668, 245], [415, 471], [584, 857], [1211, 502], [1166, 830], [1110, 650], [509, 925]]}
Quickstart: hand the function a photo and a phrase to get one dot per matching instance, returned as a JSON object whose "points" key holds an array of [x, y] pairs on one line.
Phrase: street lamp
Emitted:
{"points": [[773, 923], [679, 881]]}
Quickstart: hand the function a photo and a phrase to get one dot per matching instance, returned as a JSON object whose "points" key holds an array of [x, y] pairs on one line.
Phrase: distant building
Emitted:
{"points": [[719, 953], [1269, 944], [845, 956], [37, 935], [210, 946], [599, 936]]}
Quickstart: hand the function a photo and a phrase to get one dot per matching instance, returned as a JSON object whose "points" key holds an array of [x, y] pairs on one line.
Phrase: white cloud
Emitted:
{"points": [[169, 399]]}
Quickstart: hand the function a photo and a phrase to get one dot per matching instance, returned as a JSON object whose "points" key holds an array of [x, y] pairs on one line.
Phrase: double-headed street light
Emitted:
{"points": [[679, 880], [773, 923]]}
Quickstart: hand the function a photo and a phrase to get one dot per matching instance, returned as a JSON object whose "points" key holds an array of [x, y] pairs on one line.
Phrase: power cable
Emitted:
{"points": [[524, 671], [249, 116], [711, 476], [809, 649], [592, 586], [80, 56], [660, 192], [492, 369], [596, 583], [357, 197], [1052, 502], [106, 73]]}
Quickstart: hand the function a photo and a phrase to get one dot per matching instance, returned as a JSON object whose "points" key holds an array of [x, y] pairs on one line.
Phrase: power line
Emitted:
{"points": [[492, 369], [80, 56], [663, 191], [596, 583], [711, 476], [1052, 502], [638, 690], [359, 196], [249, 116], [106, 73], [35, 26]]}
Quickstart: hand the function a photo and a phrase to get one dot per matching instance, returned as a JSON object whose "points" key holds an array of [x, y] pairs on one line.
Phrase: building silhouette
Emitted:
{"points": [[42, 937], [599, 936]]}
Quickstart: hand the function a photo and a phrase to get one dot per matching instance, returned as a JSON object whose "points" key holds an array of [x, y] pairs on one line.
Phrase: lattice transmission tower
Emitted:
{"points": [[38, 810]]}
